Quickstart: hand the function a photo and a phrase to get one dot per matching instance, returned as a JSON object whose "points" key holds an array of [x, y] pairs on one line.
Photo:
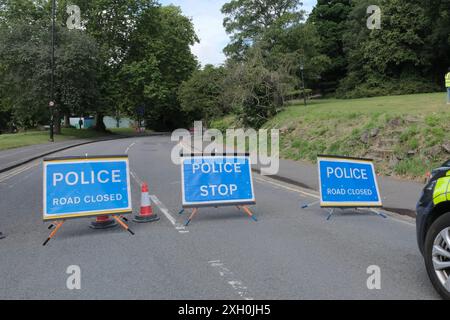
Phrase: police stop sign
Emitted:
{"points": [[80, 187], [347, 182], [216, 180]]}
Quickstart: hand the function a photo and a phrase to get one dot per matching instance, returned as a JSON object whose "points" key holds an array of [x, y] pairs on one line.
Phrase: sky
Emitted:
{"points": [[207, 20]]}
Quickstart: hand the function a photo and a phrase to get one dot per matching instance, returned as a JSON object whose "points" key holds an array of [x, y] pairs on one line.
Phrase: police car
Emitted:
{"points": [[433, 228]]}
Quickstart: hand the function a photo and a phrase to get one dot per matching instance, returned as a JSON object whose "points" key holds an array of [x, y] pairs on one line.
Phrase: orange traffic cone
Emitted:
{"points": [[146, 213], [103, 222]]}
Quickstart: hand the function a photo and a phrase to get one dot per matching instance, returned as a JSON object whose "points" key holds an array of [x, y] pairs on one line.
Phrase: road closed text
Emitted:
{"points": [[350, 192], [87, 199]]}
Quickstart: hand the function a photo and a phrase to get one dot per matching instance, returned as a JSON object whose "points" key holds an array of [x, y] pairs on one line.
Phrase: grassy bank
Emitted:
{"points": [[22, 139], [406, 135]]}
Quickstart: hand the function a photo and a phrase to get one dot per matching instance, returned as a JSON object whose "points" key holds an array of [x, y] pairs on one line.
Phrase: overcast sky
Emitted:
{"points": [[208, 20]]}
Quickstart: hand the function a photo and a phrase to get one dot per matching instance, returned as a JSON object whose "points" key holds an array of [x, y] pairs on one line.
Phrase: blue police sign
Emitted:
{"points": [[347, 182], [82, 187], [216, 180]]}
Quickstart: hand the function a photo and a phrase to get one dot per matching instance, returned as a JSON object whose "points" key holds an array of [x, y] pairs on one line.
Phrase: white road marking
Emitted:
{"points": [[15, 172], [129, 147], [229, 277], [178, 226], [11, 185], [394, 216], [136, 178], [293, 189]]}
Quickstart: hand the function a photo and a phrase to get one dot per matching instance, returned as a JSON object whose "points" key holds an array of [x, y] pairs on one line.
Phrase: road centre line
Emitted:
{"points": [[178, 226], [155, 200], [228, 275]]}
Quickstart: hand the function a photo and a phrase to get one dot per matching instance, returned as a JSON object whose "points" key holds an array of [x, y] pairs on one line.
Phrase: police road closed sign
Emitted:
{"points": [[82, 187], [347, 182], [216, 180]]}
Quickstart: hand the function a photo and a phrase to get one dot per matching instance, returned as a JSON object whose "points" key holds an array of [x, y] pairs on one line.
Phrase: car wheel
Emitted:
{"points": [[437, 255]]}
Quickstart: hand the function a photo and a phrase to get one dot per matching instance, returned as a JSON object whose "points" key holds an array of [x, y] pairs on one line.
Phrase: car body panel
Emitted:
{"points": [[442, 190], [435, 193]]}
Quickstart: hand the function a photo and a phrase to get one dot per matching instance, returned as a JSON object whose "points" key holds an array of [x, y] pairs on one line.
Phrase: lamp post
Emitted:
{"points": [[52, 93], [302, 67]]}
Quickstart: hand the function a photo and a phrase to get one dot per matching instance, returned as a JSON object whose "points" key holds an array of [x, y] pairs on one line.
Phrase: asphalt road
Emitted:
{"points": [[290, 253]]}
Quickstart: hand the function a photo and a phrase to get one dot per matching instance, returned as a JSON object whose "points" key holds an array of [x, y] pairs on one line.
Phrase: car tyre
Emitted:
{"points": [[437, 254]]}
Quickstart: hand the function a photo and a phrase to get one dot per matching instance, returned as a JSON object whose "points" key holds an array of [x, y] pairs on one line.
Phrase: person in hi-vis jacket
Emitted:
{"points": [[447, 85]]}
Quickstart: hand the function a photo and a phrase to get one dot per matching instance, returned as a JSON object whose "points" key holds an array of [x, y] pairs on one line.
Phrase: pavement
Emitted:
{"points": [[12, 158], [290, 253]]}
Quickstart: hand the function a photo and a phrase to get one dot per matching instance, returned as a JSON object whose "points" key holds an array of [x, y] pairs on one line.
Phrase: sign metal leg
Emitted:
{"points": [[194, 212], [379, 213], [247, 211], [181, 212], [123, 224], [57, 226], [330, 211], [307, 205]]}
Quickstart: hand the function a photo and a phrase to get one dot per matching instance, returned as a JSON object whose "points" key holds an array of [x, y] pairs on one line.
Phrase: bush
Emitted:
{"points": [[384, 87]]}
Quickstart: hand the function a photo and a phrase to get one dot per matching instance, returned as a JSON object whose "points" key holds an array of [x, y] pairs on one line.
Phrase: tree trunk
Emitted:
{"points": [[66, 121], [99, 124], [57, 122]]}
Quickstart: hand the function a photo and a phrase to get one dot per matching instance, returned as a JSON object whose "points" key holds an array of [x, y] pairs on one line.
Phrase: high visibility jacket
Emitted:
{"points": [[447, 80], [442, 190]]}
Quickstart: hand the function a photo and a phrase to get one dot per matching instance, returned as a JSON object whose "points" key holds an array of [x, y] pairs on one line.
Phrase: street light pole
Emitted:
{"points": [[303, 82], [52, 101]]}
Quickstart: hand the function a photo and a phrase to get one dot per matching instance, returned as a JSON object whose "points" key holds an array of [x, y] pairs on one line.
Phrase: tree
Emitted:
{"points": [[127, 54], [201, 96], [438, 39], [397, 59], [112, 23], [255, 91], [329, 18], [25, 61], [248, 20], [158, 61], [77, 73]]}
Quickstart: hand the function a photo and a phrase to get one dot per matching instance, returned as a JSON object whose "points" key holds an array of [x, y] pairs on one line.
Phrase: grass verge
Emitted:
{"points": [[22, 139], [405, 135]]}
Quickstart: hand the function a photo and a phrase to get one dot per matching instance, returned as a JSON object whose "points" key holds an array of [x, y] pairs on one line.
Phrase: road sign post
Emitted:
{"points": [[77, 187], [216, 181], [346, 182], [51, 106]]}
